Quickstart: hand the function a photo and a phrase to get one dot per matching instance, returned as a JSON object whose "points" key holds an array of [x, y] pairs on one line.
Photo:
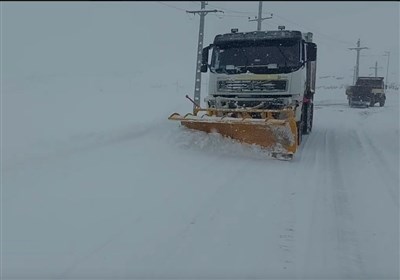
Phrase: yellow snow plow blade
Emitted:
{"points": [[275, 130]]}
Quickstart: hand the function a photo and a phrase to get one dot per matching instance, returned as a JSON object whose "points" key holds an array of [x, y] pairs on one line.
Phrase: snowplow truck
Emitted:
{"points": [[261, 89], [366, 92]]}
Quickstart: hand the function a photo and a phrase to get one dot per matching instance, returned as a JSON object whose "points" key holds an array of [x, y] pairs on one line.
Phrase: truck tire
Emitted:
{"points": [[299, 131], [382, 103], [350, 103], [311, 116], [308, 118], [372, 103]]}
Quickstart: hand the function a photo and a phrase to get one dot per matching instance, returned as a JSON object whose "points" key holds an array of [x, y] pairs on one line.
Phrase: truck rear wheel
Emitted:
{"points": [[308, 118], [299, 131]]}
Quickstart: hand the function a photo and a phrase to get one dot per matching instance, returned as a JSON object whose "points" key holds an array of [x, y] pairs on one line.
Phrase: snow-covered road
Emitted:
{"points": [[96, 187]]}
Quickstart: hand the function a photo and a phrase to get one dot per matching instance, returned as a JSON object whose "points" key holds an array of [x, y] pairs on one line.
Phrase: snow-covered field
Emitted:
{"points": [[97, 183]]}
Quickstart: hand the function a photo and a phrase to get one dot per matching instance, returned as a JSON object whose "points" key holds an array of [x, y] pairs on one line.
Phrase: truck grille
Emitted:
{"points": [[251, 86]]}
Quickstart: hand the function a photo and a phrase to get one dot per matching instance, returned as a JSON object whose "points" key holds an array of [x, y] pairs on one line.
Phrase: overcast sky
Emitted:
{"points": [[160, 38]]}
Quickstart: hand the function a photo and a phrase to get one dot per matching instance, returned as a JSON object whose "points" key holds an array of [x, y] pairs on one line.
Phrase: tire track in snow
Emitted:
{"points": [[348, 245], [208, 211], [287, 235], [310, 263], [287, 240], [382, 169], [314, 163], [310, 161], [303, 164], [67, 273], [330, 199]]}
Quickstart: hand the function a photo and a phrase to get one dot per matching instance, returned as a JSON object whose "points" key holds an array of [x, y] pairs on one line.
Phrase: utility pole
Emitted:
{"points": [[197, 85], [259, 19], [387, 69], [358, 49], [376, 68]]}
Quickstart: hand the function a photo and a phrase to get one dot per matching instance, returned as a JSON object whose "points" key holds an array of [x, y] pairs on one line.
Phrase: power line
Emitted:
{"points": [[171, 6], [240, 14], [315, 31], [230, 15], [324, 36], [287, 20], [232, 11]]}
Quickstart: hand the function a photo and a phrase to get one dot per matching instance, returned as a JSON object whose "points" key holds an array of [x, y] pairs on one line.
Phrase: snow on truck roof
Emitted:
{"points": [[260, 35]]}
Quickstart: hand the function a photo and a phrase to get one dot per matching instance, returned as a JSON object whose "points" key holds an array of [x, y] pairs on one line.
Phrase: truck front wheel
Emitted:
{"points": [[382, 103]]}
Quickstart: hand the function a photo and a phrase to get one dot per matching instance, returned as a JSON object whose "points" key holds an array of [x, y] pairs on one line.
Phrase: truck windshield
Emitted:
{"points": [[370, 82], [260, 57]]}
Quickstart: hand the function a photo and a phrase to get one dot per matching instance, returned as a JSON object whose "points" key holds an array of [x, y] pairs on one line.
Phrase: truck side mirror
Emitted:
{"points": [[311, 52], [204, 59]]}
